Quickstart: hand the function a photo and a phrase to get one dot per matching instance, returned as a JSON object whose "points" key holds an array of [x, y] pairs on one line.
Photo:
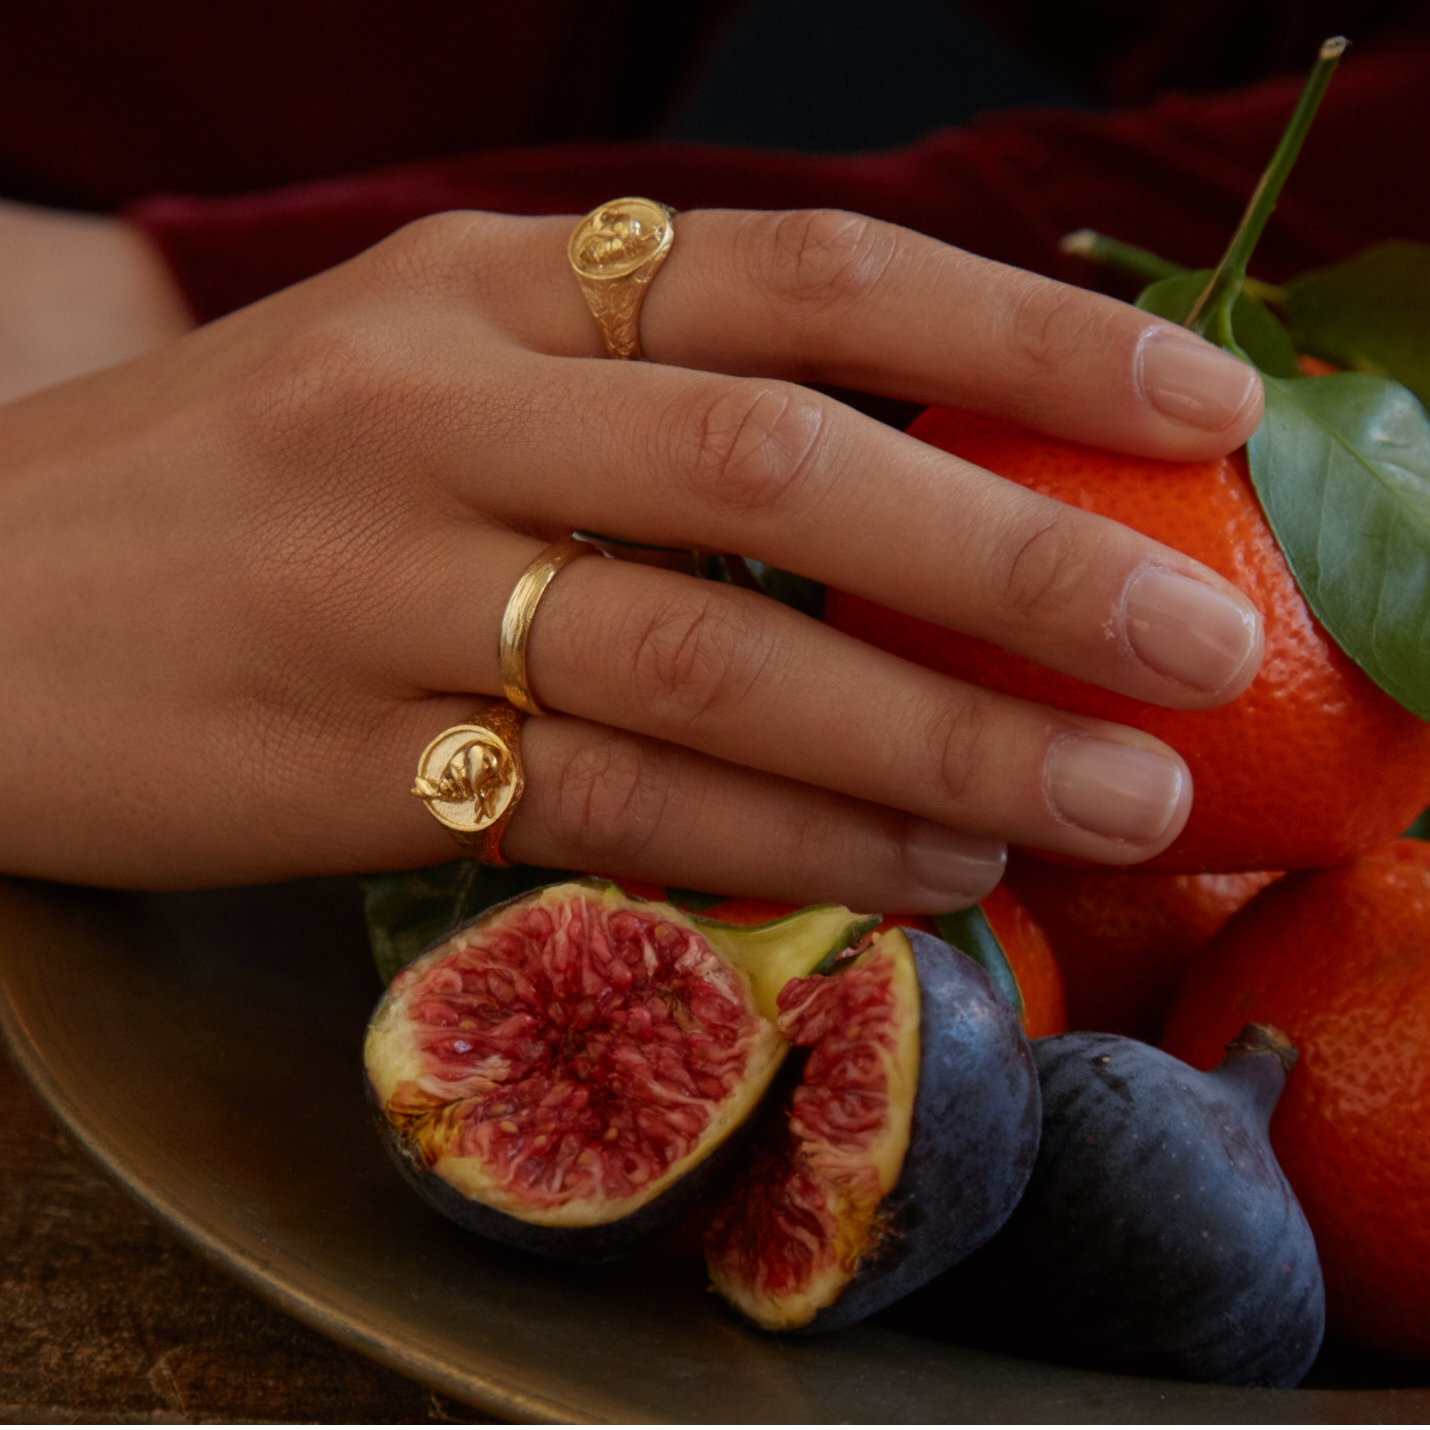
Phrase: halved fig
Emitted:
{"points": [[905, 1145], [561, 1072]]}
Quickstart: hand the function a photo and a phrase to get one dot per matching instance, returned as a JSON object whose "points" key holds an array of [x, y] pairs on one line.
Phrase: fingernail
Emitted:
{"points": [[1189, 630], [1191, 381], [1117, 791], [951, 866]]}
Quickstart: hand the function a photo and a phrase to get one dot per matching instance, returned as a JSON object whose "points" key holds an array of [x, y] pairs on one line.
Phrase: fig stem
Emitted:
{"points": [[1263, 1038], [1211, 313], [1258, 1061]]}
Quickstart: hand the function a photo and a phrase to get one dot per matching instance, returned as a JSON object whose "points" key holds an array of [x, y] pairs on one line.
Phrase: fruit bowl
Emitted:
{"points": [[206, 1049]]}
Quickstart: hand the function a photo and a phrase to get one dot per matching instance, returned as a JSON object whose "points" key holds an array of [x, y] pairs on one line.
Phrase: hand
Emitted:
{"points": [[245, 574], [77, 293]]}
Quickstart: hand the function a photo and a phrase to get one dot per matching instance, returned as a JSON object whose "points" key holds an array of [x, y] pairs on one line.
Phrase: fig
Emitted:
{"points": [[905, 1143], [563, 1072], [1158, 1235]]}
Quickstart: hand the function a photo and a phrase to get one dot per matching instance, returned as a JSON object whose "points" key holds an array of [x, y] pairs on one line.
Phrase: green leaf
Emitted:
{"points": [[1258, 332], [1370, 313], [1420, 829], [1342, 466], [409, 911], [970, 932]]}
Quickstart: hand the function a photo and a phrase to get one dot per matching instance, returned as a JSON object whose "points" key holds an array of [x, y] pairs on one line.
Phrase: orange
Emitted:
{"points": [[1031, 957], [1123, 938], [1311, 765], [1340, 961], [1025, 946]]}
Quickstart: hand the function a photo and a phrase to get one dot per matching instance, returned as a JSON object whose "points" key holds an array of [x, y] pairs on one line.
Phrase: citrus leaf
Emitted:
{"points": [[969, 932], [1342, 467], [407, 912], [1258, 332], [1371, 312]]}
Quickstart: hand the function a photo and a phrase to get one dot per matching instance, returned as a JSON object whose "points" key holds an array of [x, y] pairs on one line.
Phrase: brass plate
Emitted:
{"points": [[206, 1049]]}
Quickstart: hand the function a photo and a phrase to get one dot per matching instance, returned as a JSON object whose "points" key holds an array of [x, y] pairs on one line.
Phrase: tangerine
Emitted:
{"points": [[1312, 764], [1032, 958], [1339, 961], [1123, 937]]}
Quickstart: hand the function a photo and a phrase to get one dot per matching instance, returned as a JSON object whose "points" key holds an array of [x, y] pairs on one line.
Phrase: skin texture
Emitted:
{"points": [[252, 572]]}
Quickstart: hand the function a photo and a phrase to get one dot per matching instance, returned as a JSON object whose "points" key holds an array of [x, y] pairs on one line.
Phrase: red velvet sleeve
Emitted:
{"points": [[1173, 177]]}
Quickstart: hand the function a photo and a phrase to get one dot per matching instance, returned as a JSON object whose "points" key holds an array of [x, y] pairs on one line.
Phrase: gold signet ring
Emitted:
{"points": [[521, 611], [615, 251], [470, 777]]}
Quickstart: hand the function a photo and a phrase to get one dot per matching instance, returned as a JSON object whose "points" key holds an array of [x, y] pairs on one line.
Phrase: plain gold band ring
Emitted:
{"points": [[521, 611]]}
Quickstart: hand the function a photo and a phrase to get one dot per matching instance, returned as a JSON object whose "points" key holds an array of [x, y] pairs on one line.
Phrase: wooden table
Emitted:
{"points": [[104, 1316]]}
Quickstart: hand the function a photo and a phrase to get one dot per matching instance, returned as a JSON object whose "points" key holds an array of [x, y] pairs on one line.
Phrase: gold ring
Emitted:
{"points": [[470, 777], [521, 611], [615, 251]]}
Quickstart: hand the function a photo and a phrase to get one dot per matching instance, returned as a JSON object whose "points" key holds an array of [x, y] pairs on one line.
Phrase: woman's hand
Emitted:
{"points": [[249, 576]]}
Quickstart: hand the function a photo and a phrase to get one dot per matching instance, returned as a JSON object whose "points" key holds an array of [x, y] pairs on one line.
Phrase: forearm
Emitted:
{"points": [[78, 292]]}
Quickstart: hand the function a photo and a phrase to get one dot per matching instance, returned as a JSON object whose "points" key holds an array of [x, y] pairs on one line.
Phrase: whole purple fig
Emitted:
{"points": [[1158, 1235]]}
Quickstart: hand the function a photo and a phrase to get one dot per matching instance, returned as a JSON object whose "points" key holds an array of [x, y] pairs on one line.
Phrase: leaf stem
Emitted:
{"points": [[1113, 253], [1211, 313], [1143, 263]]}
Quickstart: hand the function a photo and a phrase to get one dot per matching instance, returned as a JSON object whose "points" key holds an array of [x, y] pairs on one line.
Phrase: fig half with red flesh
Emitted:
{"points": [[562, 1072], [905, 1145]]}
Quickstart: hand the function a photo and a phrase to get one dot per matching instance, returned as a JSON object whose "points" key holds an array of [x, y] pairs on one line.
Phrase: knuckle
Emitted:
{"points": [[607, 802], [751, 445], [321, 387], [821, 258], [433, 251], [695, 658], [1044, 569], [1052, 326], [957, 741]]}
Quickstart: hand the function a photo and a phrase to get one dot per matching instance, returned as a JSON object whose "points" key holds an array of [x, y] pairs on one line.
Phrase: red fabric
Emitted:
{"points": [[1173, 177], [101, 102]]}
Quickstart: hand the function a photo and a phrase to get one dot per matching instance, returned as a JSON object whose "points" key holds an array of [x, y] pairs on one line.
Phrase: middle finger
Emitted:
{"points": [[775, 471]]}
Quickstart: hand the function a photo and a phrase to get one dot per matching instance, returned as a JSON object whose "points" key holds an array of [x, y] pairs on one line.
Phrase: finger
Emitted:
{"points": [[744, 679], [796, 479], [602, 799], [828, 296]]}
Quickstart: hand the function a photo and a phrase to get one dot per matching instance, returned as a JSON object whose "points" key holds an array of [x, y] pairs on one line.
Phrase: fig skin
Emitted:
{"points": [[968, 1111], [1158, 1235], [973, 1141]]}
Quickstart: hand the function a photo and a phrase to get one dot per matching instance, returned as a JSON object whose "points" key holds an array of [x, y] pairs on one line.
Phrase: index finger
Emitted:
{"points": [[826, 296]]}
